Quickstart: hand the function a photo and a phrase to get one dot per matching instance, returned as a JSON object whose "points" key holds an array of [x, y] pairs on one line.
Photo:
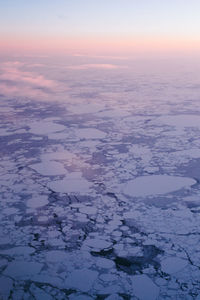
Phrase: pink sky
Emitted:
{"points": [[109, 45], [114, 27]]}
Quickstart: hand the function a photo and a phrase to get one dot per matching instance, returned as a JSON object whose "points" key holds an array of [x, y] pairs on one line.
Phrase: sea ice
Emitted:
{"points": [[156, 185], [85, 109], [37, 201], [58, 136], [5, 287], [108, 277], [41, 294], [3, 262], [22, 269], [59, 155], [49, 168], [98, 243], [56, 256], [114, 297], [179, 120], [172, 265], [89, 133], [144, 288], [80, 297], [105, 263], [89, 210], [45, 127], [82, 279], [70, 185], [18, 251]]}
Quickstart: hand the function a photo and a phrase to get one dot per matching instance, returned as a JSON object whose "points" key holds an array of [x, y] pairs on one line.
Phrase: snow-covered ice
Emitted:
{"points": [[156, 185], [99, 183]]}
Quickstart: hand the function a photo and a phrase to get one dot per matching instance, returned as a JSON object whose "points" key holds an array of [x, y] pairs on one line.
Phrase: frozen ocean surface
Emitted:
{"points": [[99, 176]]}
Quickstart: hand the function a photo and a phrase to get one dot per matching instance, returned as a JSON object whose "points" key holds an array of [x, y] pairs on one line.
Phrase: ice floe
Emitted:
{"points": [[71, 225], [144, 288], [6, 285], [81, 279], [49, 168], [72, 183], [172, 265], [89, 133], [22, 269], [179, 120], [37, 201], [45, 127], [156, 185]]}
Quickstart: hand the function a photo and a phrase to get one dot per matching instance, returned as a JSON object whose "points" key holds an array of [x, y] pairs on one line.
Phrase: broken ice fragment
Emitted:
{"points": [[90, 133], [22, 269], [105, 263], [5, 287], [144, 288], [98, 243], [68, 185], [49, 168], [82, 279], [56, 256], [45, 127], [179, 120], [89, 210], [38, 201], [172, 265]]}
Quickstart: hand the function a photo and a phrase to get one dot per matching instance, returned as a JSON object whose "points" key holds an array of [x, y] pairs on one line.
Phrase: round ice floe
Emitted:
{"points": [[180, 120], [38, 201], [172, 265], [144, 288], [81, 279], [59, 155], [89, 133], [49, 168], [45, 127], [104, 263], [156, 185], [56, 256], [76, 185], [97, 243]]}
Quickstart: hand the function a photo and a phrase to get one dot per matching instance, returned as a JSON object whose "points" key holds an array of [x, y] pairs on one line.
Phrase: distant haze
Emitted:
{"points": [[129, 27]]}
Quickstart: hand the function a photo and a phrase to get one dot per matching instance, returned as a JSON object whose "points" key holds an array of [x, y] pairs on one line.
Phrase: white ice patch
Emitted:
{"points": [[172, 265], [84, 108], [48, 168], [38, 201], [113, 113], [72, 183], [22, 270], [179, 120], [97, 243], [82, 279], [45, 127], [105, 263], [59, 155], [56, 256], [5, 132], [66, 156], [17, 251], [144, 288], [89, 210], [156, 185], [89, 133], [6, 285], [191, 153], [58, 136]]}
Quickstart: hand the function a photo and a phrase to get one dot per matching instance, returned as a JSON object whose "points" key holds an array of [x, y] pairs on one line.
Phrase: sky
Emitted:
{"points": [[100, 26]]}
